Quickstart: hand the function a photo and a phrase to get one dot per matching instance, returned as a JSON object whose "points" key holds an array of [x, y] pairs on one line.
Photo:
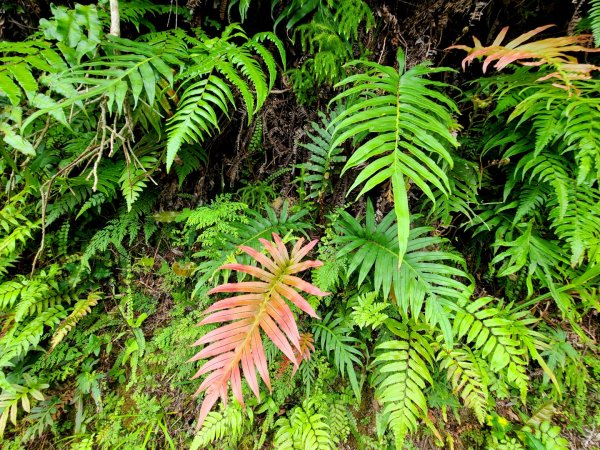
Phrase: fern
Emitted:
{"points": [[531, 199], [401, 373], [369, 313], [247, 231], [579, 225], [594, 14], [426, 279], [541, 256], [206, 90], [133, 178], [79, 29], [551, 51], [463, 180], [136, 11], [571, 123], [17, 73], [127, 224], [189, 160], [229, 424], [410, 125], [338, 415], [330, 39], [18, 228], [305, 429], [20, 339], [260, 307], [333, 335], [504, 338], [81, 308], [138, 70], [468, 379], [23, 394], [323, 157]]}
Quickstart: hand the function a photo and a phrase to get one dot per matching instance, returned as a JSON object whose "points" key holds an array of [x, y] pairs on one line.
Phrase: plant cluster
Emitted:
{"points": [[451, 300]]}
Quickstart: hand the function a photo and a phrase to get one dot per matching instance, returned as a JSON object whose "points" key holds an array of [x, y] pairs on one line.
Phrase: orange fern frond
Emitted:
{"points": [[307, 346], [553, 51], [260, 305]]}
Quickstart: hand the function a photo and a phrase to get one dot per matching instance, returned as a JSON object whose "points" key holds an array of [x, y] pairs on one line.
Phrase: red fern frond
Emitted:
{"points": [[260, 305], [553, 51]]}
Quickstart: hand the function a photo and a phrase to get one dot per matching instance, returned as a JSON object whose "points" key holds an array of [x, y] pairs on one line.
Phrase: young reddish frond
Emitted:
{"points": [[307, 346], [553, 51], [260, 305]]}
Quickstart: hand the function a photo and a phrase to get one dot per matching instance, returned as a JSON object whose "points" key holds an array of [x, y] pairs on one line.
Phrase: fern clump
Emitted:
{"points": [[411, 131]]}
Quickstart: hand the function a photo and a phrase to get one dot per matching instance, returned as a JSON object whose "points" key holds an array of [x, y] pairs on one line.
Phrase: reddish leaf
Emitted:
{"points": [[260, 305], [553, 51]]}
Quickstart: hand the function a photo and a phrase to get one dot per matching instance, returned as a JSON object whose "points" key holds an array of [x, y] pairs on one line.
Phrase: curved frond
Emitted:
{"points": [[260, 305], [333, 335]]}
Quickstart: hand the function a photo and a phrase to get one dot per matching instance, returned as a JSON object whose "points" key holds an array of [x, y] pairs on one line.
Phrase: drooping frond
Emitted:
{"points": [[595, 18], [547, 168], [207, 85], [260, 306], [410, 130], [579, 225]]}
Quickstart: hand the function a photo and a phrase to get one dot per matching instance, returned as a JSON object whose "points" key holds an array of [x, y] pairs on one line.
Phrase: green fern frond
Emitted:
{"points": [[401, 374], [410, 126], [463, 180], [579, 225], [333, 335], [190, 159], [134, 178], [227, 425], [595, 18], [427, 278], [304, 429], [136, 12], [81, 308], [367, 312], [323, 156], [541, 256], [531, 199], [206, 90], [468, 379], [503, 338], [337, 414], [79, 29], [10, 292], [17, 394], [128, 224], [548, 168], [17, 233], [22, 338]]}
